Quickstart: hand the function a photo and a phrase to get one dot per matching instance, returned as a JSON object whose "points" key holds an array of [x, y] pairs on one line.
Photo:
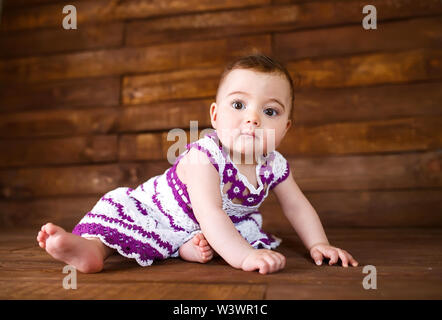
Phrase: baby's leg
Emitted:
{"points": [[86, 255], [196, 249]]}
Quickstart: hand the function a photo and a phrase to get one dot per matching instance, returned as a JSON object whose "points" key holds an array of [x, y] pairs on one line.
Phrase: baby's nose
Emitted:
{"points": [[255, 122], [253, 118]]}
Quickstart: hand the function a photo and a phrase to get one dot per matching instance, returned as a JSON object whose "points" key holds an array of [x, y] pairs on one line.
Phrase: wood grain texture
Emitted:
{"points": [[50, 15], [374, 172], [283, 18], [380, 172], [420, 33], [343, 105], [130, 60], [75, 180], [212, 25], [141, 291], [376, 68], [85, 111], [408, 263], [18, 3], [396, 135], [40, 42], [368, 69], [165, 115], [175, 85], [63, 211], [310, 14], [358, 209], [384, 102], [363, 209], [82, 93], [58, 151]]}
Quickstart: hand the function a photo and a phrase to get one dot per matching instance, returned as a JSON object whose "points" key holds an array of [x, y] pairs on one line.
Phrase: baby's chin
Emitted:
{"points": [[245, 152]]}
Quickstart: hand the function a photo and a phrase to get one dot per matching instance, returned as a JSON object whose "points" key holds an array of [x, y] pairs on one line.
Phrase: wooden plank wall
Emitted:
{"points": [[88, 110]]}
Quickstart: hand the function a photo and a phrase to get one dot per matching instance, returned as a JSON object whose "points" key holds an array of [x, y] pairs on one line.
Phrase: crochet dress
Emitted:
{"points": [[152, 221]]}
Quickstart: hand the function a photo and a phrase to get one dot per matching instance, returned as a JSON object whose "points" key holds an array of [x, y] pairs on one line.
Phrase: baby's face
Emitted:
{"points": [[250, 102]]}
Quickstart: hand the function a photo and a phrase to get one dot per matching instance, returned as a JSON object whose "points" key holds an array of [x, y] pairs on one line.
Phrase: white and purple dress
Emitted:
{"points": [[154, 220]]}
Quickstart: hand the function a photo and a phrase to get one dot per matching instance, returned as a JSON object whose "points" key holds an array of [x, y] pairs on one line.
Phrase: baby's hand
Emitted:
{"points": [[319, 250], [267, 261]]}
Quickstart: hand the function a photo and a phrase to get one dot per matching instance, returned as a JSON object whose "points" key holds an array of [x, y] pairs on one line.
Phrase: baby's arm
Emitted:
{"points": [[306, 222], [203, 186]]}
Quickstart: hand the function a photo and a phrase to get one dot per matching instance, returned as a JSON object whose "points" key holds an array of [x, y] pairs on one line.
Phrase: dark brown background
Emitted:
{"points": [[85, 111]]}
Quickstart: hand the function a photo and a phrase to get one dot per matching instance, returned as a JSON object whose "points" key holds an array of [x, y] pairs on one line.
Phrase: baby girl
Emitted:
{"points": [[208, 201]]}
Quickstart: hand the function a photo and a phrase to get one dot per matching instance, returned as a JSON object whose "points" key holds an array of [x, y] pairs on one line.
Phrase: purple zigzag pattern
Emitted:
{"points": [[263, 240], [127, 244], [119, 208], [236, 219], [138, 229], [171, 174], [137, 203], [160, 207]]}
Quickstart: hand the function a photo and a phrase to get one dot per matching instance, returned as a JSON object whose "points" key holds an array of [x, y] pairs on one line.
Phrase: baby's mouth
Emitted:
{"points": [[248, 134]]}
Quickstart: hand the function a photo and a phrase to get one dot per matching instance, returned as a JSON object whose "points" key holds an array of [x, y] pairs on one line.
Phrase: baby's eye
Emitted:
{"points": [[271, 112], [237, 105]]}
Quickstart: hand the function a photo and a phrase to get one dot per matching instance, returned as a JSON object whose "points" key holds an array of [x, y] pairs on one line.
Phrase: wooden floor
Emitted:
{"points": [[408, 264]]}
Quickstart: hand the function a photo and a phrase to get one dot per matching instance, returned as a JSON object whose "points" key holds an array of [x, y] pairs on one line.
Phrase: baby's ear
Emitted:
{"points": [[213, 113], [289, 124]]}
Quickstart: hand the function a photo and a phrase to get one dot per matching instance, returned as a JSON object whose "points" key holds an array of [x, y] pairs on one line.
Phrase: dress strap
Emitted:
{"points": [[211, 145], [280, 168]]}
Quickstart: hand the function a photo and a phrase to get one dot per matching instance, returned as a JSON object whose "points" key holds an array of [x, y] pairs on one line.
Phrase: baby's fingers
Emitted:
{"points": [[274, 262], [343, 258], [347, 258], [353, 262], [333, 255], [281, 259], [317, 256], [263, 266], [271, 263]]}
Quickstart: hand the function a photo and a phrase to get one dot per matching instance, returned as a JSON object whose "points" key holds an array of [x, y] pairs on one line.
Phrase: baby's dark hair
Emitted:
{"points": [[261, 63]]}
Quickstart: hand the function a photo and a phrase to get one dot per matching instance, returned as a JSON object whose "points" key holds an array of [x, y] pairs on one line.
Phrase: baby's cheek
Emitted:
{"points": [[270, 142], [227, 137]]}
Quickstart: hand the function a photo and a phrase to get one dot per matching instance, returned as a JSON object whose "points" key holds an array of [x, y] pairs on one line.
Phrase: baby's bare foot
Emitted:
{"points": [[85, 255], [196, 250]]}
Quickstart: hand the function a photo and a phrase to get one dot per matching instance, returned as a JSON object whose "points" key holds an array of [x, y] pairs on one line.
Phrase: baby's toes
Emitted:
{"points": [[197, 239], [206, 255], [51, 228], [42, 236], [203, 243], [204, 249]]}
